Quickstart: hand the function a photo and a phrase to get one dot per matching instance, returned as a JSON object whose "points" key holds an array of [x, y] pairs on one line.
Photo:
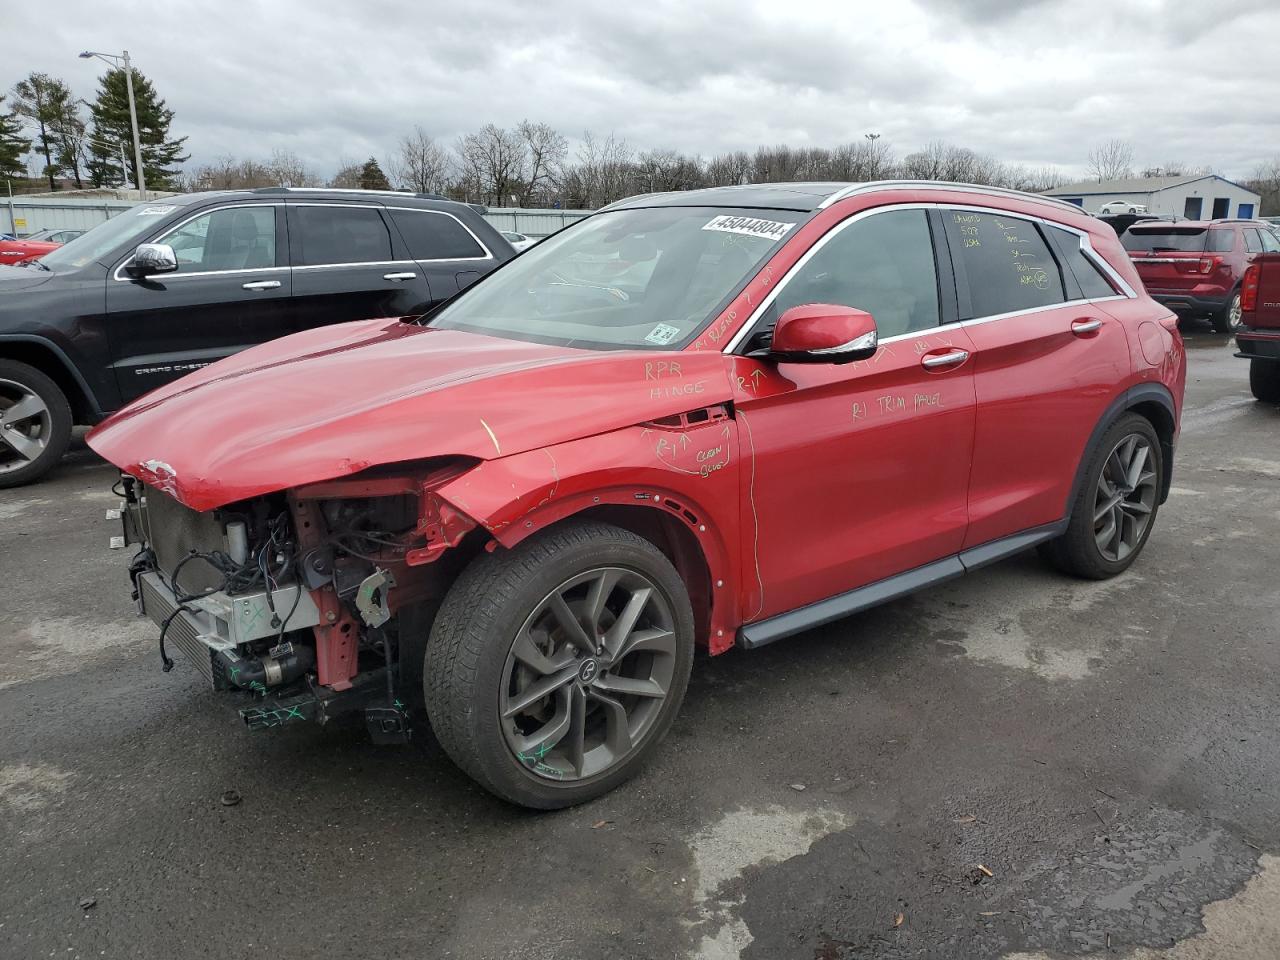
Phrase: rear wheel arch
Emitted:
{"points": [[1154, 402], [54, 364]]}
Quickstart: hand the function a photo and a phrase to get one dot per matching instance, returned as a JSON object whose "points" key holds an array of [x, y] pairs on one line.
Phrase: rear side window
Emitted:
{"points": [[1221, 241], [1087, 274], [327, 235], [1252, 242], [1007, 265], [436, 236], [1269, 242], [1168, 239], [882, 264]]}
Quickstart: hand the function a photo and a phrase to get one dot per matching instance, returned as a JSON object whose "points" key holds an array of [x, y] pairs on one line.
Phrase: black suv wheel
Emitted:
{"points": [[35, 423]]}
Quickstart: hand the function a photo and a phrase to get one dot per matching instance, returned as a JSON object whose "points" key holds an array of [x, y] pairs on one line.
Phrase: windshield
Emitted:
{"points": [[105, 237], [632, 279]]}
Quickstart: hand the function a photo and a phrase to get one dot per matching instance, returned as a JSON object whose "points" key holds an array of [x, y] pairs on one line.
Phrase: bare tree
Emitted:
{"points": [[495, 159], [1111, 160], [348, 175], [545, 152], [422, 165]]}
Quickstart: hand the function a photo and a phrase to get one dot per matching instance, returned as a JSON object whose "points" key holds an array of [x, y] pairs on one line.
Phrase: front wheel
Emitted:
{"points": [[553, 670], [35, 423], [1229, 318], [1264, 380], [1116, 506]]}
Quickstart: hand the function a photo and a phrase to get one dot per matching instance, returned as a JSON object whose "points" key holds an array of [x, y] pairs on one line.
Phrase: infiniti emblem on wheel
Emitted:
{"points": [[587, 672]]}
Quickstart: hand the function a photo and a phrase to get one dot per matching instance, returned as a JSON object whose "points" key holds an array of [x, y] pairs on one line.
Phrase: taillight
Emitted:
{"points": [[1249, 288], [1210, 264]]}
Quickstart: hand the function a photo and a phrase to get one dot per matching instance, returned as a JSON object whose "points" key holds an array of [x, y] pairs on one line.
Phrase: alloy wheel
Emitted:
{"points": [[1235, 316], [1125, 498], [587, 674], [25, 426]]}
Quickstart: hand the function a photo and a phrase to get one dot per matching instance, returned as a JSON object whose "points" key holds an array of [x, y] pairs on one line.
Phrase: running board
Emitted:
{"points": [[753, 635]]}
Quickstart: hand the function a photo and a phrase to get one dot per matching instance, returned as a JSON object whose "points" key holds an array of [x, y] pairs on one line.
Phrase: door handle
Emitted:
{"points": [[261, 285], [399, 276], [949, 359], [1086, 325]]}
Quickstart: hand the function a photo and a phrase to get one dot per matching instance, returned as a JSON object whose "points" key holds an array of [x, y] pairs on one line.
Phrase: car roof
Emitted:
{"points": [[809, 196], [1194, 224]]}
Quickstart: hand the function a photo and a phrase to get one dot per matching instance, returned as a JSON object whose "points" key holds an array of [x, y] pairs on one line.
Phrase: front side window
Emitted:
{"points": [[647, 279], [436, 236], [234, 238], [335, 235], [1005, 261], [882, 264]]}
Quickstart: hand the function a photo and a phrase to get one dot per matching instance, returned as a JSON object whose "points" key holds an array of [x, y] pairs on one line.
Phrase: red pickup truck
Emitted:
{"points": [[1259, 333]]}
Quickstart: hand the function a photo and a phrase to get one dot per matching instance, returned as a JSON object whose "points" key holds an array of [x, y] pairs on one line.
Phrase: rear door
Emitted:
{"points": [[349, 264], [1047, 360], [230, 292], [447, 252]]}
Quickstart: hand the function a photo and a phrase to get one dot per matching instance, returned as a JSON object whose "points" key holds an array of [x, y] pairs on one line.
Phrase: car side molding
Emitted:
{"points": [[753, 635]]}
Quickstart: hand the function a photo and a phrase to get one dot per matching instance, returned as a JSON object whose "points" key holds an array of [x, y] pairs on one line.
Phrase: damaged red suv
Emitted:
{"points": [[711, 418]]}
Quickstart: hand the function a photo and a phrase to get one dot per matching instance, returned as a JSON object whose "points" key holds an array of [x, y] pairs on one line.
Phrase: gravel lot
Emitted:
{"points": [[1014, 764]]}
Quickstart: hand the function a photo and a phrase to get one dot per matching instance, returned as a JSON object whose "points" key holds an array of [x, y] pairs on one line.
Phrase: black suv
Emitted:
{"points": [[173, 285]]}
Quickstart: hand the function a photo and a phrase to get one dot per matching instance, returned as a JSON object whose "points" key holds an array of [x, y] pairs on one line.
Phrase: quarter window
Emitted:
{"points": [[1269, 242], [234, 238], [435, 236], [1093, 283], [1252, 242], [340, 235], [1005, 261], [882, 264]]}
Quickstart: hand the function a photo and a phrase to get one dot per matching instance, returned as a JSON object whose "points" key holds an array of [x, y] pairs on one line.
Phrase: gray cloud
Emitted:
{"points": [[1032, 82]]}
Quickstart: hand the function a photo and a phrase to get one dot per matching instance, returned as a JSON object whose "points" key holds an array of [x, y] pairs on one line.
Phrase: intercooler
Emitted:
{"points": [[158, 604]]}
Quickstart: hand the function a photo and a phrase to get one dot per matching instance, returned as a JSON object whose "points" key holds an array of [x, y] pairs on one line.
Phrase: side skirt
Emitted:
{"points": [[753, 635]]}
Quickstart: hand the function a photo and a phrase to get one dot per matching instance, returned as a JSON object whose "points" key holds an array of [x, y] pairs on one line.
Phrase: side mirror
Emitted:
{"points": [[824, 333], [152, 258]]}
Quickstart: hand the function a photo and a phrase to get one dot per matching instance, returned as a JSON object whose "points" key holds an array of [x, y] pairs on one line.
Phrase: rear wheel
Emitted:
{"points": [[553, 670], [1264, 380], [35, 423], [1116, 507], [1228, 319]]}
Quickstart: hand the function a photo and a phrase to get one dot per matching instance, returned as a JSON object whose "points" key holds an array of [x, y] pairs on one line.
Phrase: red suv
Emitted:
{"points": [[1195, 267], [710, 418]]}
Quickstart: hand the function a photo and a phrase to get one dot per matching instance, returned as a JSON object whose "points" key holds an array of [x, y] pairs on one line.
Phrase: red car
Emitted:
{"points": [[1259, 335], [36, 245], [710, 418], [1195, 267]]}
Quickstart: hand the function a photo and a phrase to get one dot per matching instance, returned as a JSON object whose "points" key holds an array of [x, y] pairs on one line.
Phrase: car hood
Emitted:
{"points": [[22, 278], [334, 401]]}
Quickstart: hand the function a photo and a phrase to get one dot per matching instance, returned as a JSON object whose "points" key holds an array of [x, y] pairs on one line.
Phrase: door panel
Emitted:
{"points": [[230, 292], [347, 265], [857, 471]]}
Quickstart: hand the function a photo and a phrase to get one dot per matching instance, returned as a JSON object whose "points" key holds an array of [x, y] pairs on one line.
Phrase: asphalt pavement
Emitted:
{"points": [[1015, 764]]}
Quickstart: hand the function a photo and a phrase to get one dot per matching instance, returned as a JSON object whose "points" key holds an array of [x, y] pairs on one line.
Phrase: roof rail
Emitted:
{"points": [[873, 186]]}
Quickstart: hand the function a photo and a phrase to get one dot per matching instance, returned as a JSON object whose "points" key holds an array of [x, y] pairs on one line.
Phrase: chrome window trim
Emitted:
{"points": [[359, 263], [488, 254], [1085, 245], [115, 274]]}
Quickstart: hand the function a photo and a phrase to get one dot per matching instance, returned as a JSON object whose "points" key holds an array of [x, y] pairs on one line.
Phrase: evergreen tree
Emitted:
{"points": [[12, 144], [161, 156], [43, 99], [372, 177]]}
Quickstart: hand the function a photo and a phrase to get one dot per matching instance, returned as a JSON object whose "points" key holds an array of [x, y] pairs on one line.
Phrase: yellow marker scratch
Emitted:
{"points": [[489, 431]]}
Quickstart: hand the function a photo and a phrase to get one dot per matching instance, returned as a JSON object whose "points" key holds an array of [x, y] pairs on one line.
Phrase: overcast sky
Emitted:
{"points": [[1030, 81]]}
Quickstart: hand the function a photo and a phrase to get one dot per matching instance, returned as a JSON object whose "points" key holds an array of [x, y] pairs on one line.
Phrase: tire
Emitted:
{"points": [[1227, 320], [1079, 551], [34, 443], [476, 672], [1264, 380]]}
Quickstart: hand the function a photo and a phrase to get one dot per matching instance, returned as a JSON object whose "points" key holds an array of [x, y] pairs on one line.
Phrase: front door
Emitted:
{"points": [[855, 472], [231, 291], [349, 265]]}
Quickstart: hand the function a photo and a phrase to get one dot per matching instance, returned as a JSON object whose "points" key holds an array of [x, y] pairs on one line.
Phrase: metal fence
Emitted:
{"points": [[25, 216]]}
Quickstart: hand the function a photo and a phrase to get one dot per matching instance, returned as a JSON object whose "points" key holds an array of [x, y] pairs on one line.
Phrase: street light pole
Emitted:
{"points": [[133, 120], [140, 177]]}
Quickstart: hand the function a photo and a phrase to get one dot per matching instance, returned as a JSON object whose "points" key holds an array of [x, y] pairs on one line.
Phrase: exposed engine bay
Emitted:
{"points": [[308, 604]]}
